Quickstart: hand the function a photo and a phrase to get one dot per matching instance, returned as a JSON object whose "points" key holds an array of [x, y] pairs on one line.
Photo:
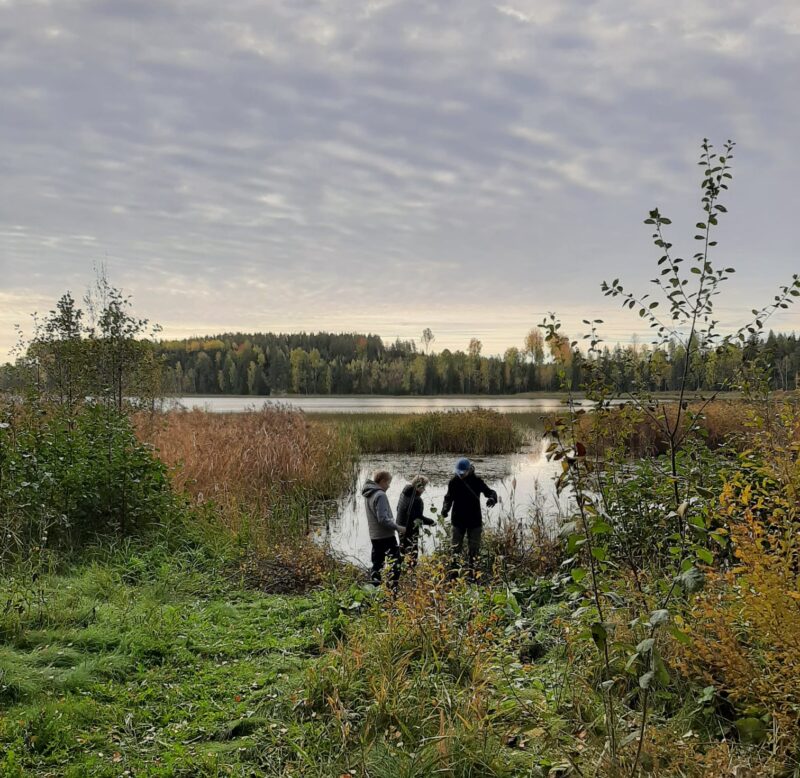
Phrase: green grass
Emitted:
{"points": [[161, 665], [184, 674], [156, 664], [474, 431]]}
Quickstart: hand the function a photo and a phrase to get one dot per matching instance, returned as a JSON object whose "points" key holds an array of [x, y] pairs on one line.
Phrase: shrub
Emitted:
{"points": [[416, 688], [67, 479], [630, 430], [746, 625]]}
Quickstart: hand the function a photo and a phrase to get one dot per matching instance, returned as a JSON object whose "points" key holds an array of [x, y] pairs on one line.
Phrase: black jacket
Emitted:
{"points": [[410, 513], [464, 497]]}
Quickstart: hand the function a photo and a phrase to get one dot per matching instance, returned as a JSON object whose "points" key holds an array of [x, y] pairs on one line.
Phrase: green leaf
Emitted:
{"points": [[680, 636], [705, 555], [646, 646], [707, 695], [646, 679], [575, 542], [698, 522], [578, 574], [721, 539]]}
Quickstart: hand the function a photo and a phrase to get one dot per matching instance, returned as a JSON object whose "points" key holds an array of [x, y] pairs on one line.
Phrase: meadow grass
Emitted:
{"points": [[173, 671], [155, 663]]}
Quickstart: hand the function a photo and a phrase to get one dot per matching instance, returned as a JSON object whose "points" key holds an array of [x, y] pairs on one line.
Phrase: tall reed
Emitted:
{"points": [[266, 464], [473, 432]]}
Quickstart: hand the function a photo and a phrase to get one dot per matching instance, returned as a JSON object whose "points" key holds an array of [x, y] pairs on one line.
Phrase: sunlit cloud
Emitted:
{"points": [[385, 165]]}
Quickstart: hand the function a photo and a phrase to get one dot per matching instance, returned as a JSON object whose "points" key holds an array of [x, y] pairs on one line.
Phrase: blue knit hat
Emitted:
{"points": [[463, 466]]}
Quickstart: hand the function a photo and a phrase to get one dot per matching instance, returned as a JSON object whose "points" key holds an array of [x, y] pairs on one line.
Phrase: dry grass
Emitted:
{"points": [[261, 464], [639, 434], [294, 567]]}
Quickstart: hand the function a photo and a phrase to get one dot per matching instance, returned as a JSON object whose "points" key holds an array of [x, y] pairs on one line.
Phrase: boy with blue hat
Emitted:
{"points": [[463, 497]]}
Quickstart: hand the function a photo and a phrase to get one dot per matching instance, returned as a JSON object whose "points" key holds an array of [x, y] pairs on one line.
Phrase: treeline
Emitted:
{"points": [[108, 345], [328, 363]]}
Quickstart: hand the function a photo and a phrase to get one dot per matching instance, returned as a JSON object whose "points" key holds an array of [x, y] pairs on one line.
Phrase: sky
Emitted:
{"points": [[388, 165]]}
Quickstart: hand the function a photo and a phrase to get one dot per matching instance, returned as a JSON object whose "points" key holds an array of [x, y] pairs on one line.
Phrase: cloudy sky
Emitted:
{"points": [[387, 165]]}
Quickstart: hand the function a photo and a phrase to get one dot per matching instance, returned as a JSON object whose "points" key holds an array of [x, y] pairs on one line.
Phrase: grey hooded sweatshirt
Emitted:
{"points": [[379, 512]]}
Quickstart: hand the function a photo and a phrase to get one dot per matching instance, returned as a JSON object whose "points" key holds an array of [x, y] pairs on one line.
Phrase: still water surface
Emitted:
{"points": [[524, 483], [372, 404]]}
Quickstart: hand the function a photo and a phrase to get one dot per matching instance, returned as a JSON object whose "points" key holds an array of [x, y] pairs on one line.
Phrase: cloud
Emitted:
{"points": [[309, 163]]}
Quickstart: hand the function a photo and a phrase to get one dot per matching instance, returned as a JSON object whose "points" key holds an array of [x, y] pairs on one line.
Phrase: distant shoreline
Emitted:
{"points": [[520, 396]]}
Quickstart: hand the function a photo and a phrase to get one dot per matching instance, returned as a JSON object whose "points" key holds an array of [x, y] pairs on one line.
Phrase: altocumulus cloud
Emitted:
{"points": [[385, 164]]}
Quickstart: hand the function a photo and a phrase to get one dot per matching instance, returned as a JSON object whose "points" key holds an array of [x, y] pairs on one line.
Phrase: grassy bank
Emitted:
{"points": [[158, 647], [155, 664]]}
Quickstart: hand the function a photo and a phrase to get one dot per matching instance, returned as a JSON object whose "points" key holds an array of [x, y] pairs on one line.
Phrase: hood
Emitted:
{"points": [[370, 488]]}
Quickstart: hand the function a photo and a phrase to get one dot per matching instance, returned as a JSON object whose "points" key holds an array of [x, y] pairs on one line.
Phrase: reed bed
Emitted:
{"points": [[271, 463], [718, 422], [472, 432]]}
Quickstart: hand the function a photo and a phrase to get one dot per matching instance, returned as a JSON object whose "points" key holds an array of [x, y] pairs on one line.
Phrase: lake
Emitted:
{"points": [[523, 482], [376, 404]]}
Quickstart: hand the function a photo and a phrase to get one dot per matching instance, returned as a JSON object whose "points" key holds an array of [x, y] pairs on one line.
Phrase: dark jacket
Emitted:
{"points": [[410, 513], [464, 497]]}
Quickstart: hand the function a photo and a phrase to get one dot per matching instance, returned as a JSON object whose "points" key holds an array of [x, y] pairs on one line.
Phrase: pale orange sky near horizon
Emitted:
{"points": [[497, 330]]}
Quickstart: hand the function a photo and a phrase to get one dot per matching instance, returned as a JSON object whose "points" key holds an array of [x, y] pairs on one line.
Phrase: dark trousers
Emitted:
{"points": [[473, 535], [385, 547]]}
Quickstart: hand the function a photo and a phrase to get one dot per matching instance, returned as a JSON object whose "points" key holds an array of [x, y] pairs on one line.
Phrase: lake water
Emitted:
{"points": [[374, 404], [524, 483]]}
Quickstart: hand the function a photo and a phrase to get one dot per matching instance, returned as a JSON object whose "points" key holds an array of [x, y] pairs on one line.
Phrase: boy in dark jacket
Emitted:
{"points": [[464, 498], [410, 515]]}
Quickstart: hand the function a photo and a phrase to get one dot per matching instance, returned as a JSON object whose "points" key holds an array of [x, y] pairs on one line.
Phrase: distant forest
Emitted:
{"points": [[328, 363]]}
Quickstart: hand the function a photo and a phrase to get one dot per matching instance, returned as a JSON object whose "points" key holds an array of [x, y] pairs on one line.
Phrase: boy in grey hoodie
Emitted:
{"points": [[382, 527]]}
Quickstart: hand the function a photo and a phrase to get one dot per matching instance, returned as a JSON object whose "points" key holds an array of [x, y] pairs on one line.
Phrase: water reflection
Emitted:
{"points": [[524, 483], [358, 404]]}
